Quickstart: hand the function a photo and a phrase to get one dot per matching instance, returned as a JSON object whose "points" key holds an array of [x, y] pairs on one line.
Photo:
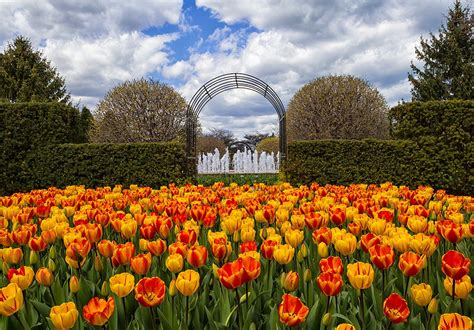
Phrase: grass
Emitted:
{"points": [[209, 179]]}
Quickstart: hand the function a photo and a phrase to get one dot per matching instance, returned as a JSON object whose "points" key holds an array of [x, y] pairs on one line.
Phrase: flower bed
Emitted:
{"points": [[236, 257]]}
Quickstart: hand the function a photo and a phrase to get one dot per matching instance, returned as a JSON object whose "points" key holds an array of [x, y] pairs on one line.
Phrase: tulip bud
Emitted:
{"points": [[104, 291], [307, 275], [143, 243], [5, 268], [173, 289], [52, 252], [327, 319], [323, 250], [299, 256], [74, 284], [253, 326], [33, 257], [214, 270], [290, 281], [51, 265], [98, 264], [304, 250], [282, 279], [433, 306]]}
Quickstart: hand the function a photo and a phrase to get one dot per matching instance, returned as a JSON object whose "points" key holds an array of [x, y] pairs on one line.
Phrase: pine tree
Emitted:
{"points": [[25, 75], [447, 71]]}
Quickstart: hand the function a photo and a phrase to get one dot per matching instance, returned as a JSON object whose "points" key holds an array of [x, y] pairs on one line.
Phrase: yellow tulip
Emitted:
{"points": [[12, 299], [421, 294], [187, 282], [283, 253], [122, 284], [360, 274], [64, 316]]}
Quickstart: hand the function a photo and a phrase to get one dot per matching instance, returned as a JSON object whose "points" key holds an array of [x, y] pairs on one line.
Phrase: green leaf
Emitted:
{"points": [[42, 308]]}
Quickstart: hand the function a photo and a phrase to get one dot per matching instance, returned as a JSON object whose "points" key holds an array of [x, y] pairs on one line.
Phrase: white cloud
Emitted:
{"points": [[374, 40], [92, 67], [67, 19]]}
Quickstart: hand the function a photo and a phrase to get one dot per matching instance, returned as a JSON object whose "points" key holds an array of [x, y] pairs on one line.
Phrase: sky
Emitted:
{"points": [[96, 45]]}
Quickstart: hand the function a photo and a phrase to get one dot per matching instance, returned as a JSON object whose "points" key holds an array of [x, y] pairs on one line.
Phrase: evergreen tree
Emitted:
{"points": [[25, 75], [447, 71]]}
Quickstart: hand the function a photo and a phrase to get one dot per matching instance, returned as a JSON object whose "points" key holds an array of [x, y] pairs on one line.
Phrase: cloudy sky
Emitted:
{"points": [[287, 43]]}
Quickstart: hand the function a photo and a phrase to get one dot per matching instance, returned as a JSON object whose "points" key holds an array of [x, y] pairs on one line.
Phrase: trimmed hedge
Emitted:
{"points": [[452, 121], [437, 150], [402, 162], [93, 165], [29, 126]]}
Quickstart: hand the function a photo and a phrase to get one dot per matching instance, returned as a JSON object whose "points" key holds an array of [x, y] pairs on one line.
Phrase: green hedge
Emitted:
{"points": [[93, 165], [402, 162], [29, 126], [452, 121]]}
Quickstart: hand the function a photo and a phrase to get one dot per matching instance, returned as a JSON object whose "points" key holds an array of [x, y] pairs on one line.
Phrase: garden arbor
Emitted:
{"points": [[225, 83]]}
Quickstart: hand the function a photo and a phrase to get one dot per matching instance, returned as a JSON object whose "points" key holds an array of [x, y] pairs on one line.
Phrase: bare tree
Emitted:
{"points": [[337, 107], [140, 111]]}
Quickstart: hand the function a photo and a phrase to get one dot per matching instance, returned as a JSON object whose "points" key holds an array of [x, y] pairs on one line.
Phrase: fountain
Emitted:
{"points": [[244, 161]]}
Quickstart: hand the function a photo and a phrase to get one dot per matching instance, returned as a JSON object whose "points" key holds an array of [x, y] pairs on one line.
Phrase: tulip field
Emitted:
{"points": [[237, 257]]}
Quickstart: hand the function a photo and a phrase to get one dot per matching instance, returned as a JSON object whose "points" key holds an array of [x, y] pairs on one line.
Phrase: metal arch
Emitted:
{"points": [[222, 84], [244, 143]]}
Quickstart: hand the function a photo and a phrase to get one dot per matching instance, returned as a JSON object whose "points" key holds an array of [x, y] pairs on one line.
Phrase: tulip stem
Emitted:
{"points": [[454, 289], [407, 282], [187, 310], [51, 293], [462, 307], [383, 283], [327, 309], [247, 295], [362, 314], [239, 312], [390, 324], [19, 321]]}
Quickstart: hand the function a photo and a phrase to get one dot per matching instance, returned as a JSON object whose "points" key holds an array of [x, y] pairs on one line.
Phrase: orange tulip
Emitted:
{"points": [[338, 216], [93, 232], [197, 256], [148, 231], [21, 236], [382, 256], [106, 248], [44, 276], [251, 267], [98, 311], [292, 311], [141, 263], [345, 326], [454, 321], [248, 246], [123, 253], [455, 265], [78, 249], [396, 308], [290, 281], [411, 263], [330, 283], [150, 291], [187, 236], [156, 248], [331, 264], [267, 248], [219, 248], [231, 274], [37, 243], [450, 230], [369, 240], [322, 235], [178, 247]]}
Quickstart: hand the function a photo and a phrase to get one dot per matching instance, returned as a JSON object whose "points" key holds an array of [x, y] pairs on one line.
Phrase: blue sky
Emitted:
{"points": [[96, 45]]}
